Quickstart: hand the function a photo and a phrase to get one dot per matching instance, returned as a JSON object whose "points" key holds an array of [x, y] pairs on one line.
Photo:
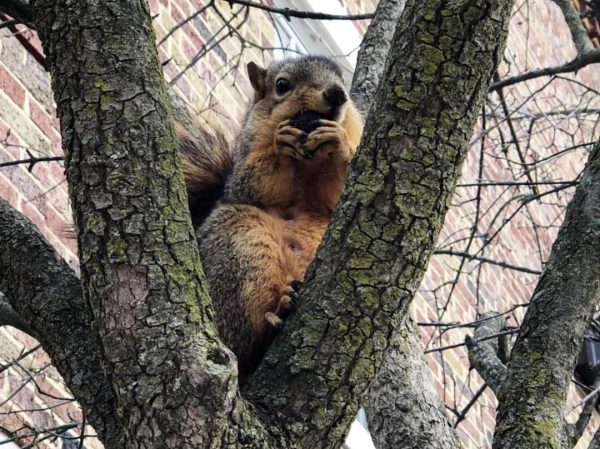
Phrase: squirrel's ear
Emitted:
{"points": [[257, 77]]}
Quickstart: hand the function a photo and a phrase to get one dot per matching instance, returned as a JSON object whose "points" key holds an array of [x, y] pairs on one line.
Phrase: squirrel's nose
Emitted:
{"points": [[335, 96]]}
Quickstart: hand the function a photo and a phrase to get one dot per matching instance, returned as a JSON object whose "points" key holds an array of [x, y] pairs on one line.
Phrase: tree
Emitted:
{"points": [[143, 314]]}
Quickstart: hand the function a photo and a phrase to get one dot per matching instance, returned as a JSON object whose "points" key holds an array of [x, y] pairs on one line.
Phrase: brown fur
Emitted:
{"points": [[277, 201], [206, 161]]}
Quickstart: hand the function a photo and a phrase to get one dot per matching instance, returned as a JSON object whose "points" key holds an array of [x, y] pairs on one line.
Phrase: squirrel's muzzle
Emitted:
{"points": [[335, 96]]}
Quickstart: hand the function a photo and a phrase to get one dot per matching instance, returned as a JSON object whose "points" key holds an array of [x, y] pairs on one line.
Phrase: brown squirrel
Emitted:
{"points": [[261, 210]]}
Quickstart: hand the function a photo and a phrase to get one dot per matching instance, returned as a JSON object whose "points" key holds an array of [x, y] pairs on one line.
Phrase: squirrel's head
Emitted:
{"points": [[292, 86]]}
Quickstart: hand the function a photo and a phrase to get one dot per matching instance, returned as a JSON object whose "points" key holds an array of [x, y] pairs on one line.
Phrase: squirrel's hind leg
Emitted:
{"points": [[250, 276]]}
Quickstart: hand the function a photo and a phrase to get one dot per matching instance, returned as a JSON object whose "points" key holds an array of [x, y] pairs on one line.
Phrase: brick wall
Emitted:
{"points": [[216, 88]]}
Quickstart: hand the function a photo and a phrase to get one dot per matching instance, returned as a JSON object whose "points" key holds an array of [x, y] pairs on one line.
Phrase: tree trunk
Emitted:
{"points": [[403, 407], [174, 382], [532, 398], [401, 404]]}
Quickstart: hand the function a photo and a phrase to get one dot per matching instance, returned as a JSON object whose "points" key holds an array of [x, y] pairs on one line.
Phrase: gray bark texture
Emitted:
{"points": [[145, 331], [47, 295], [483, 351], [10, 317], [532, 398], [373, 52], [401, 404], [403, 408], [174, 382]]}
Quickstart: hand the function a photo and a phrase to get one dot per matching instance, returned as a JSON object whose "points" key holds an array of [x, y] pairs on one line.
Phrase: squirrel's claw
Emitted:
{"points": [[287, 303], [289, 140], [331, 136], [274, 320]]}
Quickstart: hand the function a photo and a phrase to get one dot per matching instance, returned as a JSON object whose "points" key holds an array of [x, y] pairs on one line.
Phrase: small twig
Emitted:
{"points": [[518, 183], [21, 357], [31, 161], [593, 393], [287, 12], [463, 413], [451, 252]]}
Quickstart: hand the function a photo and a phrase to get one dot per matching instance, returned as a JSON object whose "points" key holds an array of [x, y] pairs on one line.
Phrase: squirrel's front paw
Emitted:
{"points": [[287, 303], [289, 140], [329, 138]]}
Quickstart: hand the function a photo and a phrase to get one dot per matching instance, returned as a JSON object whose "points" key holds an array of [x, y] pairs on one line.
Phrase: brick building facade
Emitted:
{"points": [[205, 60]]}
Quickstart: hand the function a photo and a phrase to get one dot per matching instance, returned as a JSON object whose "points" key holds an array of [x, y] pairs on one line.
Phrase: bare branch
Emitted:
{"points": [[463, 413], [287, 12], [46, 294], [589, 404], [564, 298], [31, 161], [458, 345], [374, 50], [591, 57], [402, 400], [502, 264]]}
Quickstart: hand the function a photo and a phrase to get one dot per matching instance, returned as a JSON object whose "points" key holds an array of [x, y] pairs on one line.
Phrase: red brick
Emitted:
{"points": [[11, 87], [8, 192], [47, 123]]}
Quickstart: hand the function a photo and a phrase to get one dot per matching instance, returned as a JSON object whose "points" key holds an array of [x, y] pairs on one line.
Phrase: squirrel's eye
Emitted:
{"points": [[282, 86]]}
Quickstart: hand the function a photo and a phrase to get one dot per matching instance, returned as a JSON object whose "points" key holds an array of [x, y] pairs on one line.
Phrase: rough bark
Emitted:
{"points": [[46, 294], [374, 50], [483, 351], [402, 405], [10, 317], [174, 381], [376, 249], [532, 400]]}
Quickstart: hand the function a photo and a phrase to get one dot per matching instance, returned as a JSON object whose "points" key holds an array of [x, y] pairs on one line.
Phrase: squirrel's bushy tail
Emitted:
{"points": [[207, 161]]}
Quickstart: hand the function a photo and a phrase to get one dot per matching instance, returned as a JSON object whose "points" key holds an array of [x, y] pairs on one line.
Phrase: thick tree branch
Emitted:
{"points": [[403, 407], [45, 293], [10, 317], [374, 50], [483, 351], [376, 249], [174, 381], [401, 404], [531, 401]]}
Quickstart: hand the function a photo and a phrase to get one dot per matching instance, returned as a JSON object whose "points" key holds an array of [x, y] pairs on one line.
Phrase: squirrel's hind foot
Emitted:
{"points": [[287, 303]]}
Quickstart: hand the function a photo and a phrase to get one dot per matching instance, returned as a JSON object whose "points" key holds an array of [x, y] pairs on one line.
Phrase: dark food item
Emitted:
{"points": [[307, 121]]}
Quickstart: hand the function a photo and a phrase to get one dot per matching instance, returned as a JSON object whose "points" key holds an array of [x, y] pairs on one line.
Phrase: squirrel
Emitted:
{"points": [[261, 208]]}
